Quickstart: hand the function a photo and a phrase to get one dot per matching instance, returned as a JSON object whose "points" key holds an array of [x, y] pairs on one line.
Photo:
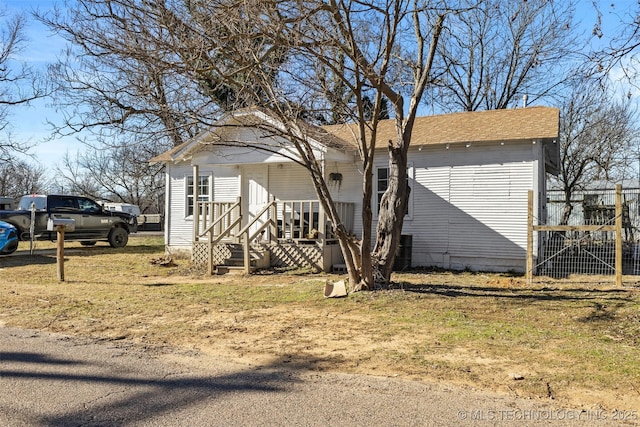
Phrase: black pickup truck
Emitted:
{"points": [[92, 223]]}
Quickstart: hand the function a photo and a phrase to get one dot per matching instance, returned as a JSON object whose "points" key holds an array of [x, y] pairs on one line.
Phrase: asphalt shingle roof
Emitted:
{"points": [[475, 126]]}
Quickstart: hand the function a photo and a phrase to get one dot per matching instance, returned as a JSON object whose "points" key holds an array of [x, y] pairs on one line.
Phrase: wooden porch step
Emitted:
{"points": [[235, 263], [229, 269], [235, 268]]}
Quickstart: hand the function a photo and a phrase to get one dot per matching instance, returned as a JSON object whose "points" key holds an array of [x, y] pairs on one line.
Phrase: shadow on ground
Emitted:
{"points": [[130, 397], [542, 294]]}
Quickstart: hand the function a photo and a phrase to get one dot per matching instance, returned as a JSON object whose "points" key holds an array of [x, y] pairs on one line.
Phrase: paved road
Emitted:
{"points": [[55, 380]]}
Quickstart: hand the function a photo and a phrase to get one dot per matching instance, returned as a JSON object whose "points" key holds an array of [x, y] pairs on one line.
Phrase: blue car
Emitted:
{"points": [[8, 238]]}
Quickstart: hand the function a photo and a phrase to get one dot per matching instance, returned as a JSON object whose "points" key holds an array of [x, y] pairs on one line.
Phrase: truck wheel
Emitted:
{"points": [[118, 237]]}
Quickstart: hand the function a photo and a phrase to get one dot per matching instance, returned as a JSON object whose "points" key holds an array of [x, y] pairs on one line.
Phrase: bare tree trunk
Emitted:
{"points": [[366, 266], [393, 208], [351, 250], [566, 213]]}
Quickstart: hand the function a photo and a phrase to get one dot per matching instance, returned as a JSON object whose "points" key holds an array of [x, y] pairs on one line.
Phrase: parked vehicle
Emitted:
{"points": [[6, 203], [8, 238], [121, 207], [146, 222], [91, 223], [150, 222]]}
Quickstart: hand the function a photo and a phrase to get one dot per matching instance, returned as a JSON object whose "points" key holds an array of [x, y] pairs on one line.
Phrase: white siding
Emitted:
{"points": [[430, 216], [349, 190], [470, 206], [488, 212], [179, 231], [276, 149], [225, 183], [290, 181]]}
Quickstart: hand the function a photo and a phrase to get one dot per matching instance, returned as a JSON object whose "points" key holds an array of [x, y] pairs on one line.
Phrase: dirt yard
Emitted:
{"points": [[575, 344]]}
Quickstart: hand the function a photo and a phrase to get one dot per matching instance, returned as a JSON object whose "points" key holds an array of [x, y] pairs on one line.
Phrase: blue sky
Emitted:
{"points": [[29, 122]]}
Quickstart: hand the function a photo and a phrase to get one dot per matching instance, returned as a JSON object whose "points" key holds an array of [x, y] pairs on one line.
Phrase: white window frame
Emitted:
{"points": [[188, 192], [378, 193]]}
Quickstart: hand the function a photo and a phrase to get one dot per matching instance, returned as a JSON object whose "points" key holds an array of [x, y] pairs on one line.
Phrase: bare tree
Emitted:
{"points": [[73, 178], [496, 51], [129, 70], [376, 50], [19, 177], [266, 54], [116, 174], [596, 135], [621, 45], [19, 84], [124, 87]]}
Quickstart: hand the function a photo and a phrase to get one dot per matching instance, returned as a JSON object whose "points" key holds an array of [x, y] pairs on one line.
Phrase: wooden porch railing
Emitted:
{"points": [[301, 219], [248, 236], [285, 220], [217, 220]]}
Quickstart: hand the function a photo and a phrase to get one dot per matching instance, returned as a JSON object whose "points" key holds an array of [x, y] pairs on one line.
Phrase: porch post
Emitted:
{"points": [[273, 218], [246, 253], [327, 253], [322, 225], [238, 237]]}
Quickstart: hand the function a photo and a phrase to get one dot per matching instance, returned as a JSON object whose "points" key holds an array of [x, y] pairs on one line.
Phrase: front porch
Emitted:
{"points": [[283, 233]]}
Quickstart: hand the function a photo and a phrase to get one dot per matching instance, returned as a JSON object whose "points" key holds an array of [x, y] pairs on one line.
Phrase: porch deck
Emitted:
{"points": [[284, 233]]}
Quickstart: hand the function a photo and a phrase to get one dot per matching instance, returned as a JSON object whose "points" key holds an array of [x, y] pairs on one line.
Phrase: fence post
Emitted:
{"points": [[618, 235], [60, 251], [529, 266]]}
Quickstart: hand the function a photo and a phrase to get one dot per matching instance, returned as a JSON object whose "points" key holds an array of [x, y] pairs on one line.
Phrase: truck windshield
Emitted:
{"points": [[39, 201], [87, 205]]}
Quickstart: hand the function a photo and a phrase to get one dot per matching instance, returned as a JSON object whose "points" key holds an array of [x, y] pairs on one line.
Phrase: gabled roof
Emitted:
{"points": [[522, 124], [172, 154], [255, 118], [476, 126]]}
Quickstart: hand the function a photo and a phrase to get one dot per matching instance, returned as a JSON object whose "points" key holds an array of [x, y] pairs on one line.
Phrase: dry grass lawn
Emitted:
{"points": [[577, 344]]}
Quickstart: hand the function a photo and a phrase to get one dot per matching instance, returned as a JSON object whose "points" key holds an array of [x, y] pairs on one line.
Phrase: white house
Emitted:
{"points": [[469, 175]]}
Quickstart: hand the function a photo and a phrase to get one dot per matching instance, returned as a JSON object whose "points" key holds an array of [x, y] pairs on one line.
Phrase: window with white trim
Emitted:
{"points": [[204, 185], [382, 183]]}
